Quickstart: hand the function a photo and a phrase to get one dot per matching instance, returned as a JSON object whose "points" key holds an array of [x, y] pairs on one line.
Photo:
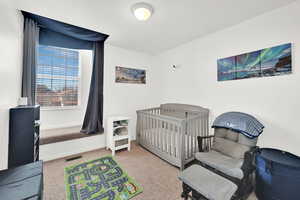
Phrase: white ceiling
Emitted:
{"points": [[174, 21]]}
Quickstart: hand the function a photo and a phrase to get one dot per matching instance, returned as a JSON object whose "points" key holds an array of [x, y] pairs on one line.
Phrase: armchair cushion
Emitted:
{"points": [[232, 143], [235, 136], [230, 148], [223, 163], [226, 134], [247, 141]]}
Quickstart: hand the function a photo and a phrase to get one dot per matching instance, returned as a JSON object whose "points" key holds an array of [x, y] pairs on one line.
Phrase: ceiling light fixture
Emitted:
{"points": [[142, 11]]}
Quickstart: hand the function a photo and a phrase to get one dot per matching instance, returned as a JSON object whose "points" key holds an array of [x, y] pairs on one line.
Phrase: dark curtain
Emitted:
{"points": [[94, 113], [31, 37], [51, 38], [60, 34]]}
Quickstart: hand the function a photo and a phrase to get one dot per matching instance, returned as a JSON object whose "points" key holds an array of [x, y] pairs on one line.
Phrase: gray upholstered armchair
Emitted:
{"points": [[229, 154], [226, 160]]}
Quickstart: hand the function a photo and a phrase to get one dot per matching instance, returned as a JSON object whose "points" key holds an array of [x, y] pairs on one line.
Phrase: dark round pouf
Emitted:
{"points": [[277, 175]]}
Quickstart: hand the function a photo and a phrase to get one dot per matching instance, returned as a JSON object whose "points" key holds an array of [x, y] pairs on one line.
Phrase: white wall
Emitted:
{"points": [[125, 99], [119, 99], [10, 70], [273, 100]]}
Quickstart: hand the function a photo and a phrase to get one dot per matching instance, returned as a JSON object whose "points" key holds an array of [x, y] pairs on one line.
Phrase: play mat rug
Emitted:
{"points": [[101, 179]]}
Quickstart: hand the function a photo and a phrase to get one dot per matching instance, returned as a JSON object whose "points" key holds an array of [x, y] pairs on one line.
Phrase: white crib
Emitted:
{"points": [[170, 131]]}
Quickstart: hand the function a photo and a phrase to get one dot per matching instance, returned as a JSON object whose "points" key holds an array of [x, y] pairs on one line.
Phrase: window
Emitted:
{"points": [[57, 81]]}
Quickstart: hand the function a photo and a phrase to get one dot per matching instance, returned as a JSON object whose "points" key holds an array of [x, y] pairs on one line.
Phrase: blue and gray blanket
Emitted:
{"points": [[240, 122]]}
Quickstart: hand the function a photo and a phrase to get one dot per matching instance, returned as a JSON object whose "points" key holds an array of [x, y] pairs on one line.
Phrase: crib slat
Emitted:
{"points": [[166, 136], [178, 137], [162, 135], [193, 138], [137, 128], [182, 143], [206, 125], [143, 129], [159, 135], [175, 140], [186, 144], [154, 131], [206, 133], [170, 139], [190, 138], [198, 133], [146, 129], [203, 131], [151, 130]]}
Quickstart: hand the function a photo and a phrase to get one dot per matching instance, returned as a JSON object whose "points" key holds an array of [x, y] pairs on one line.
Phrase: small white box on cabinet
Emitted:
{"points": [[118, 133]]}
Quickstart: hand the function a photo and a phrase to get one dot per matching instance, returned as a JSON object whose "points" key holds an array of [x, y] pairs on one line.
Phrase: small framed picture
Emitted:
{"points": [[130, 75]]}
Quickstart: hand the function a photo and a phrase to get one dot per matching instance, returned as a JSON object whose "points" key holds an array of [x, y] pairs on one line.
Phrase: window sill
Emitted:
{"points": [[60, 108]]}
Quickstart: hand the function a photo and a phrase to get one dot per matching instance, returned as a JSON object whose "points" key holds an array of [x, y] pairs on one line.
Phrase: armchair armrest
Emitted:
{"points": [[204, 142], [248, 164]]}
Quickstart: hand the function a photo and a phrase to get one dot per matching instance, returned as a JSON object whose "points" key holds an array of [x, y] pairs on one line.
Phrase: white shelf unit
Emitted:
{"points": [[118, 133]]}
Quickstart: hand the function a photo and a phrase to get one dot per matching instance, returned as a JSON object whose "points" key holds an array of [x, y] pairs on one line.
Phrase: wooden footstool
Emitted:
{"points": [[205, 184]]}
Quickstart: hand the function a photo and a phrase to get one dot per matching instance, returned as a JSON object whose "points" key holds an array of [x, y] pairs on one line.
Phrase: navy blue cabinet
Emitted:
{"points": [[24, 134]]}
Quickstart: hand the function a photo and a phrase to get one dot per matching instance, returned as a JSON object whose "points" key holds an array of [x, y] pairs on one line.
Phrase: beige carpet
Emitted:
{"points": [[157, 177]]}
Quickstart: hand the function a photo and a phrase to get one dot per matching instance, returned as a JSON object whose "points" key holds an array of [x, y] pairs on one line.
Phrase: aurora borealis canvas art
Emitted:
{"points": [[272, 61]]}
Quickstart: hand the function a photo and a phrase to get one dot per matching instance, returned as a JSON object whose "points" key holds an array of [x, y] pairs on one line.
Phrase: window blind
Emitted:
{"points": [[57, 81]]}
